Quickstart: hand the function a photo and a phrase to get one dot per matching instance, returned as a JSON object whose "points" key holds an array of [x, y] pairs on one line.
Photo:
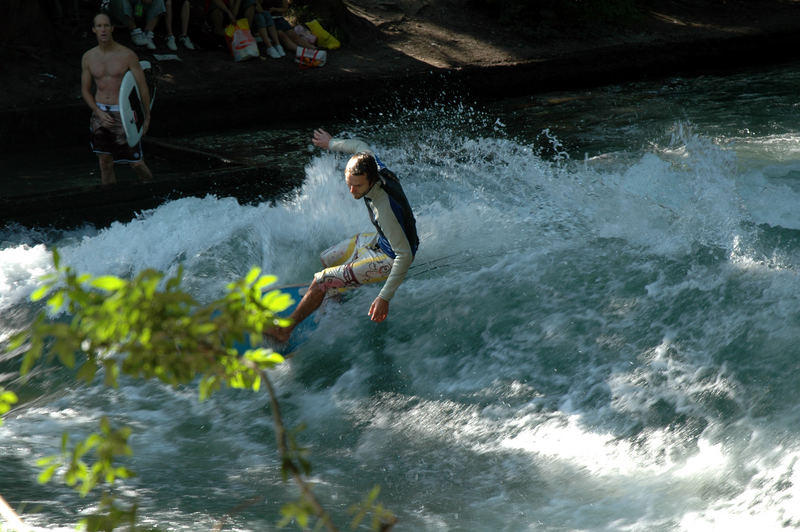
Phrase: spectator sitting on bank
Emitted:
{"points": [[127, 11], [220, 13], [261, 20], [185, 11], [290, 39]]}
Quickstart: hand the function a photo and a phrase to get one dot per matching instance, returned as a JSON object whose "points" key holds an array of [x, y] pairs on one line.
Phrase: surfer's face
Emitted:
{"points": [[102, 27], [358, 184]]}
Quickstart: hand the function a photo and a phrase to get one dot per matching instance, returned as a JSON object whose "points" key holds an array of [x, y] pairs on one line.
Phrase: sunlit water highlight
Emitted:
{"points": [[599, 332]]}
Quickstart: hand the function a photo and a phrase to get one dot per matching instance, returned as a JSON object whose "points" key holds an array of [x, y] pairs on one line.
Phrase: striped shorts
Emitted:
{"points": [[353, 262]]}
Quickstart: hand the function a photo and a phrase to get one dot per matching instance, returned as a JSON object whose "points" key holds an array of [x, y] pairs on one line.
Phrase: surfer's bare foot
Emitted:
{"points": [[280, 334]]}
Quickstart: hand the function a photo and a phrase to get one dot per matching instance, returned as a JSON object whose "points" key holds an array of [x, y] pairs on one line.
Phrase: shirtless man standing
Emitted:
{"points": [[105, 65]]}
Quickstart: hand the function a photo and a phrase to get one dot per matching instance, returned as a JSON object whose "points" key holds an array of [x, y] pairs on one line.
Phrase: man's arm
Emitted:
{"points": [[323, 139], [402, 261], [403, 257]]}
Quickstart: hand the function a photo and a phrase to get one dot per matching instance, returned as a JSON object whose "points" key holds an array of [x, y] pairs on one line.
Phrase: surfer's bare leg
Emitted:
{"points": [[142, 171], [107, 175], [310, 302]]}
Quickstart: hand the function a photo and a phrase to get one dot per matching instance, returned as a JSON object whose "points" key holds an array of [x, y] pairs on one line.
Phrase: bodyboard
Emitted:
{"points": [[131, 108]]}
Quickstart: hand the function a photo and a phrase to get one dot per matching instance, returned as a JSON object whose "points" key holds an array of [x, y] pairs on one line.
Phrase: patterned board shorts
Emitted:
{"points": [[112, 141], [353, 262]]}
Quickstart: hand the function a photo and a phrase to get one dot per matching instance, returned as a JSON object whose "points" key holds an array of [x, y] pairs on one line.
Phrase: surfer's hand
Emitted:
{"points": [[379, 309], [106, 119], [321, 138]]}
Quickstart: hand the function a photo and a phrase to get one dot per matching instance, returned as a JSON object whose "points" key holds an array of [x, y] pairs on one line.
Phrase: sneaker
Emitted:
{"points": [[138, 37], [150, 44], [171, 43], [187, 42], [281, 52], [273, 53]]}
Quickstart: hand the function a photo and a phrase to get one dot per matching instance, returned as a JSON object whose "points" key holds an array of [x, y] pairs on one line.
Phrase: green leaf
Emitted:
{"points": [[40, 292], [32, 356], [252, 275], [276, 301], [17, 340], [46, 461], [8, 397], [265, 280], [47, 474], [87, 371], [56, 302], [67, 358], [264, 358], [108, 283]]}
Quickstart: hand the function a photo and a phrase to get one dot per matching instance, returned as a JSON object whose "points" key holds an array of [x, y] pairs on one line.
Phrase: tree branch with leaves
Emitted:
{"points": [[149, 328]]}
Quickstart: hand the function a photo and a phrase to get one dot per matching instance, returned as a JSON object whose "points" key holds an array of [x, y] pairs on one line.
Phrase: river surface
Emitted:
{"points": [[600, 331]]}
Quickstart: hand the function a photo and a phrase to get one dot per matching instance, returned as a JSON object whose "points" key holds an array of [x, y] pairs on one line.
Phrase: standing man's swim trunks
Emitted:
{"points": [[112, 141]]}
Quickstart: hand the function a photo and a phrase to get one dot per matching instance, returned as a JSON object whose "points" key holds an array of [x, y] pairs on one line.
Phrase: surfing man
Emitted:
{"points": [[367, 257], [105, 65]]}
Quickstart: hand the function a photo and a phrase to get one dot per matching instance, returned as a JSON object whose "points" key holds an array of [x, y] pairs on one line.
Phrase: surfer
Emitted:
{"points": [[105, 65], [384, 255]]}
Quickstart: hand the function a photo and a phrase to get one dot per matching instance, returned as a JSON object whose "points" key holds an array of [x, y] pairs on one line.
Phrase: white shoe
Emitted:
{"points": [[150, 44], [273, 53], [281, 52], [171, 43], [138, 37], [187, 42]]}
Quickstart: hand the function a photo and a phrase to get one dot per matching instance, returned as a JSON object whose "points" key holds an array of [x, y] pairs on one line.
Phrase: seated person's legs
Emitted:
{"points": [[152, 14], [289, 38], [121, 13], [258, 24], [217, 19], [186, 12]]}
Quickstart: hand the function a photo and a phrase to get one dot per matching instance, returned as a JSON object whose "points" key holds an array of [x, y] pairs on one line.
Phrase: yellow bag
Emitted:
{"points": [[324, 39]]}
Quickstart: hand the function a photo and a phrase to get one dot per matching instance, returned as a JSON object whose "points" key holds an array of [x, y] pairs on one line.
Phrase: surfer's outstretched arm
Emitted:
{"points": [[323, 139]]}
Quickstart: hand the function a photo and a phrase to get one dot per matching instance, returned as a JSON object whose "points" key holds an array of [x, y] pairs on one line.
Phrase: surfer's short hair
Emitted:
{"points": [[105, 14], [364, 162]]}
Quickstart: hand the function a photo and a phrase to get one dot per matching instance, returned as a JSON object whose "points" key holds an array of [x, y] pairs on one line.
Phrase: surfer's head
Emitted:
{"points": [[361, 173], [363, 163], [102, 26]]}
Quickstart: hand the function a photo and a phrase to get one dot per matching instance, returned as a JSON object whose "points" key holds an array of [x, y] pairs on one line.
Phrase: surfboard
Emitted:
{"points": [[131, 108]]}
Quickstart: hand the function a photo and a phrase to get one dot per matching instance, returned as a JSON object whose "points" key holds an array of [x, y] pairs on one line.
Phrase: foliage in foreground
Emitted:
{"points": [[149, 328]]}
